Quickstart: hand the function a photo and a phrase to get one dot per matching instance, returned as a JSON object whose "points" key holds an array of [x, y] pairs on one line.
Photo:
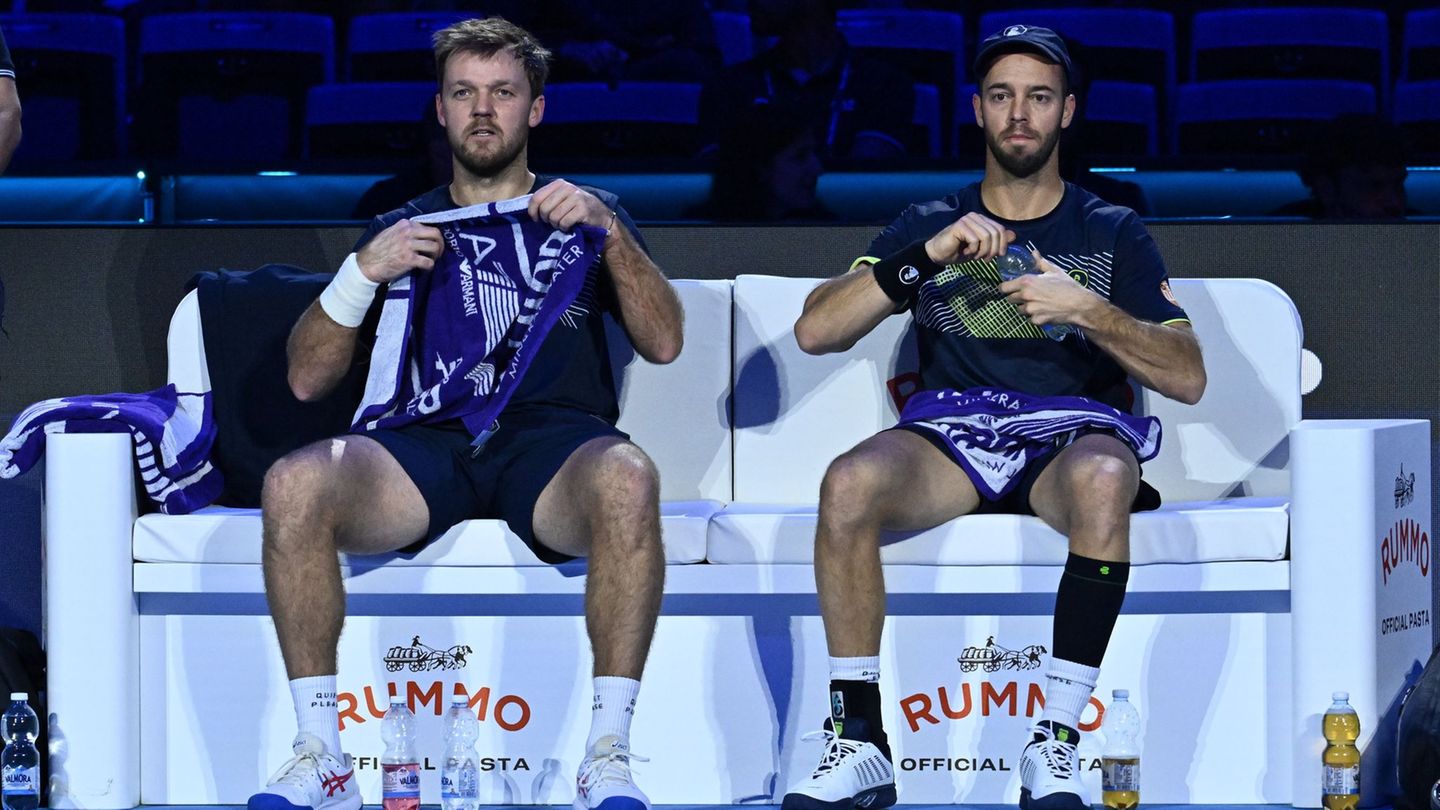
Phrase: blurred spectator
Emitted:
{"points": [[767, 167], [861, 107], [629, 40], [1355, 169], [430, 170], [9, 107]]}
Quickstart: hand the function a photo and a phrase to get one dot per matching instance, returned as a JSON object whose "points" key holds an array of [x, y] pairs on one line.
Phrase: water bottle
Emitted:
{"points": [[1120, 760], [20, 762], [399, 765], [1016, 262], [460, 779], [1340, 784]]}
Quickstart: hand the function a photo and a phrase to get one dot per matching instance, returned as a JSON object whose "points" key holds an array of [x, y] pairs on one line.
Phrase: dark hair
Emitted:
{"points": [[747, 145], [487, 37]]}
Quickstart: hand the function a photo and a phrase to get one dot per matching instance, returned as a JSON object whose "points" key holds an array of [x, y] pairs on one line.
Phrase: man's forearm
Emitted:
{"points": [[841, 311], [9, 135], [1164, 358], [320, 352], [649, 308]]}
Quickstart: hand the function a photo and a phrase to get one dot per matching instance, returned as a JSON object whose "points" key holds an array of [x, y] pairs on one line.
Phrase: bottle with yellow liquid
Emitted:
{"points": [[1340, 785], [1120, 760]]}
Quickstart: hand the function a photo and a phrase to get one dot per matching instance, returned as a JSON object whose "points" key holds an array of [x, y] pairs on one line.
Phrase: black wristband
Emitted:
{"points": [[901, 274]]}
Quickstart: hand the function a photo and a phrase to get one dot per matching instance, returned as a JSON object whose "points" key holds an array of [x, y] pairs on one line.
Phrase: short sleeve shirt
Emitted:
{"points": [[7, 66], [572, 368], [970, 335]]}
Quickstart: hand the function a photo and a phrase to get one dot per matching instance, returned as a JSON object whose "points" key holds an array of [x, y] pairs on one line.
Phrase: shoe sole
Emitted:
{"points": [[278, 803], [872, 799], [1055, 801], [612, 803]]}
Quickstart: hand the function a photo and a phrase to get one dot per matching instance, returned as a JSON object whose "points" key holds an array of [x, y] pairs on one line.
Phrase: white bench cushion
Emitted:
{"points": [[219, 534], [1194, 532]]}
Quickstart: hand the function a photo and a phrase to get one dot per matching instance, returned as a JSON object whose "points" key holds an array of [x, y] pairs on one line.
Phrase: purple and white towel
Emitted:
{"points": [[994, 434], [173, 435], [501, 283]]}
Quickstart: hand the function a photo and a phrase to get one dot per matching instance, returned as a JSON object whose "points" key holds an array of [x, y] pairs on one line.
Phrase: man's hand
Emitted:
{"points": [[562, 204], [973, 236], [1050, 297], [398, 249]]}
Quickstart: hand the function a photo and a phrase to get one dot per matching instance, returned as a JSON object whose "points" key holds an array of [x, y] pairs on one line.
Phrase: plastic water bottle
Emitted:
{"points": [[1016, 262], [399, 765], [460, 779], [1340, 784], [1120, 760], [20, 762]]}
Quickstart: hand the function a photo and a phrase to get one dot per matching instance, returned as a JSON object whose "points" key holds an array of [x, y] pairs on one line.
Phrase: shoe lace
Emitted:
{"points": [[836, 750], [610, 768], [1059, 756], [298, 771]]}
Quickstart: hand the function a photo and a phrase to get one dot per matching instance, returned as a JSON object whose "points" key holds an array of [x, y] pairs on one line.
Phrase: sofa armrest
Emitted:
{"points": [[1360, 584], [92, 625]]}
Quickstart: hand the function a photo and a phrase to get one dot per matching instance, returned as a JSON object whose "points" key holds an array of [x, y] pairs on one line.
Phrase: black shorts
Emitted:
{"points": [[503, 480], [1017, 500]]}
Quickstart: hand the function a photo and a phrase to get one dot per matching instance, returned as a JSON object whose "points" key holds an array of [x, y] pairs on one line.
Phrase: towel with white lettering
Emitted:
{"points": [[454, 341], [995, 434], [173, 435]]}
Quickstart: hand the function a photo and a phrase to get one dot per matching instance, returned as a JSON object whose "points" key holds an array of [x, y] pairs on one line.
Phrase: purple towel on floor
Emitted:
{"points": [[173, 434]]}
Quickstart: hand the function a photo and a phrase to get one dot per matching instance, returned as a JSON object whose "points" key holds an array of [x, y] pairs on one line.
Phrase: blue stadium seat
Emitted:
{"points": [[1261, 116], [1420, 53], [1134, 45], [368, 119], [641, 119], [394, 47], [1417, 112], [1121, 118], [71, 70], [930, 45], [1292, 43], [231, 86], [927, 117], [732, 32]]}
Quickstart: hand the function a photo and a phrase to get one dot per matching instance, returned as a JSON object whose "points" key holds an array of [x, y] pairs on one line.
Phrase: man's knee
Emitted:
{"points": [[295, 490], [1102, 479], [624, 481], [851, 485]]}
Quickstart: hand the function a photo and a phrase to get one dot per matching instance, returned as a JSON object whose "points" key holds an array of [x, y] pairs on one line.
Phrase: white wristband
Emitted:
{"points": [[349, 295]]}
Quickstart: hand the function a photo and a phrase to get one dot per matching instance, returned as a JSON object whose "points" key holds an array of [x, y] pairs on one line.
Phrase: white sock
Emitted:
{"points": [[315, 709], [1068, 687], [613, 709], [864, 668]]}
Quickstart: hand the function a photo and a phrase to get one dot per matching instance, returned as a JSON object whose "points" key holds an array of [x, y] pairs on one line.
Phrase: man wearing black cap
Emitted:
{"points": [[1024, 410]]}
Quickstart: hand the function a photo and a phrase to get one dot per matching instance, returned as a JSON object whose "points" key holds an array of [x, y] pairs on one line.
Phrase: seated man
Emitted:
{"points": [[552, 464], [1009, 420]]}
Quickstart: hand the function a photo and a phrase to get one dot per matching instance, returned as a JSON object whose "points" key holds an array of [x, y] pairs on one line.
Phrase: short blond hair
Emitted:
{"points": [[487, 37]]}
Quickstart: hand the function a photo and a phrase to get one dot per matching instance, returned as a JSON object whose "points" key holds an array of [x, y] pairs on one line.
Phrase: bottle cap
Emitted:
{"points": [[1121, 694], [19, 695], [460, 700], [1340, 697], [396, 700]]}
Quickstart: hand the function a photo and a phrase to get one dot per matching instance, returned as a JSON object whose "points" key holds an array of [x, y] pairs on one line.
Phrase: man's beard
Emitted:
{"points": [[1022, 165], [493, 162]]}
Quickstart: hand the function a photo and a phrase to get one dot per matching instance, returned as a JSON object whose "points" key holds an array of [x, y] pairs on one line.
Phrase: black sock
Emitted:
{"points": [[855, 713], [1086, 607]]}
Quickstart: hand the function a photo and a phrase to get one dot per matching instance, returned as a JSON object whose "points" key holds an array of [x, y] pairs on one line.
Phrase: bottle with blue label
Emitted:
{"points": [[460, 778], [399, 765], [1016, 262], [20, 762]]}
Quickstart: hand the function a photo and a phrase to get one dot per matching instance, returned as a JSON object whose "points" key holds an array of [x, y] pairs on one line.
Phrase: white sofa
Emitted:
{"points": [[1284, 565]]}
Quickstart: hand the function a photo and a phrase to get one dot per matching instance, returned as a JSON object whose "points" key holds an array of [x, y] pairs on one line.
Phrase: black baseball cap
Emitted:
{"points": [[1023, 39]]}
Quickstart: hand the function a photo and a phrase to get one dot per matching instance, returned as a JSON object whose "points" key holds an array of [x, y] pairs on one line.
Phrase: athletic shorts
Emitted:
{"points": [[1017, 500], [501, 481]]}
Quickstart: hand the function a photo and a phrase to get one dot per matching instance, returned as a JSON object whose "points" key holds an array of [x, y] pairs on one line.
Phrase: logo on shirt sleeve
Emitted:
{"points": [[909, 275], [1165, 291]]}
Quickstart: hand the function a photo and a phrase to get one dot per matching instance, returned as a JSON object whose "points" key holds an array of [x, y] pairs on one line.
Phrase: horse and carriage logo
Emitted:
{"points": [[993, 657], [1404, 488], [420, 657]]}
